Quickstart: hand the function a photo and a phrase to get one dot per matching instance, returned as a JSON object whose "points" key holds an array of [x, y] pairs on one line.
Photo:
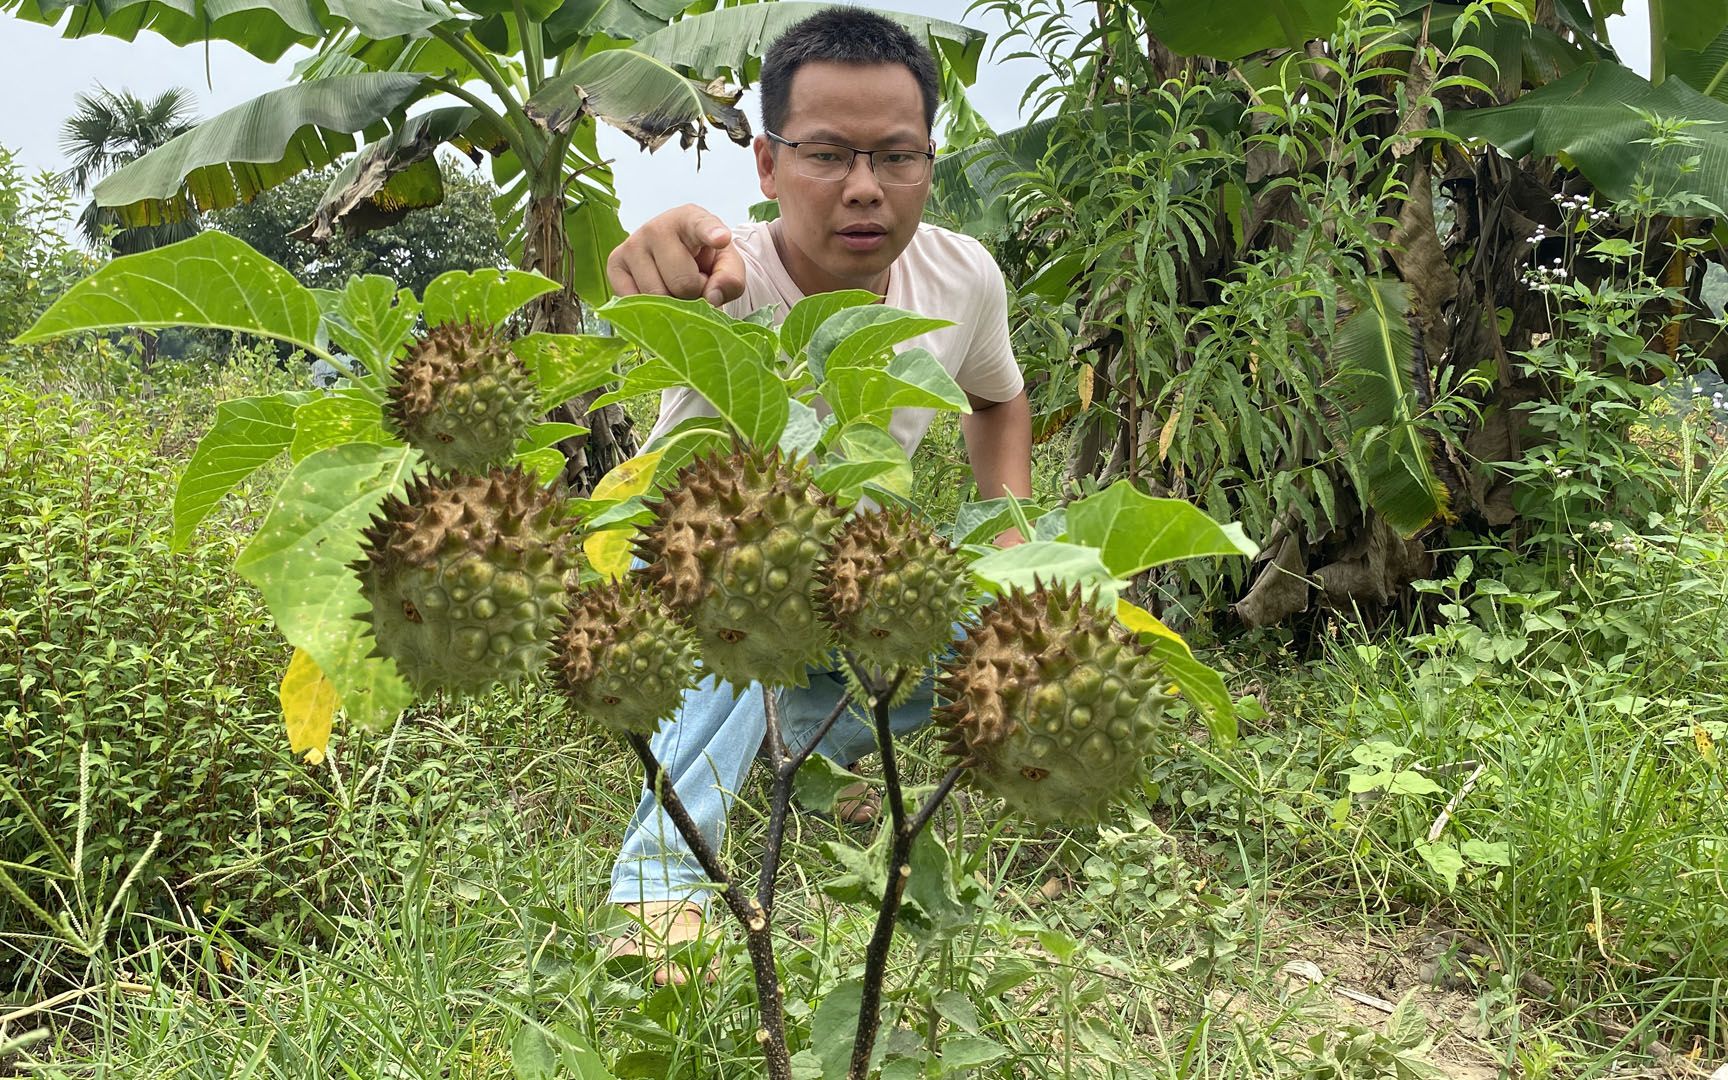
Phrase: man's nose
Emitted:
{"points": [[861, 185]]}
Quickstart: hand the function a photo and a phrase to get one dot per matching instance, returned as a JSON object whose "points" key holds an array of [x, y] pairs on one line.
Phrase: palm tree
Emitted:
{"points": [[109, 131]]}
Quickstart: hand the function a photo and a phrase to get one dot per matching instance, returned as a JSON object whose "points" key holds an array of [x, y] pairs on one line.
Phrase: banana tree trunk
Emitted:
{"points": [[611, 437]]}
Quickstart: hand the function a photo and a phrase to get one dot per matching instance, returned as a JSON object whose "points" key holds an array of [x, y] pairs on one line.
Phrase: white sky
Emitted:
{"points": [[45, 72]]}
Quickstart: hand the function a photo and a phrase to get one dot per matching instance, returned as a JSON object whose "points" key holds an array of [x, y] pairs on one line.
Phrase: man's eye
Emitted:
{"points": [[898, 157], [824, 156]]}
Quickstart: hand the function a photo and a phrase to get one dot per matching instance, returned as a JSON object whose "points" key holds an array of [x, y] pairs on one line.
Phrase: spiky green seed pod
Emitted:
{"points": [[1054, 705], [462, 399], [622, 659], [892, 589], [464, 577], [734, 549]]}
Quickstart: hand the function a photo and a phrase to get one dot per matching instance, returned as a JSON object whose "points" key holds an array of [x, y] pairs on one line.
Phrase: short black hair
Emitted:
{"points": [[843, 35]]}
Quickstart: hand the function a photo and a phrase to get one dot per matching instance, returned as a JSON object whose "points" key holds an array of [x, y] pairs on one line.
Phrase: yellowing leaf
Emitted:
{"points": [[1086, 388], [609, 551], [1141, 621], [1706, 745], [308, 705]]}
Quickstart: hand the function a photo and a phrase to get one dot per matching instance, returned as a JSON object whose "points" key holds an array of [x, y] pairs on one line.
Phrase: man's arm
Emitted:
{"points": [[999, 443]]}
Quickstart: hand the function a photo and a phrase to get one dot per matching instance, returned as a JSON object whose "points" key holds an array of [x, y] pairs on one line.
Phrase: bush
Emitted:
{"points": [[162, 664]]}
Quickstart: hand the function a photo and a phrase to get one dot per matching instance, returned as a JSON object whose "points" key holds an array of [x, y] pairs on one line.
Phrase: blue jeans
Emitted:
{"points": [[706, 751]]}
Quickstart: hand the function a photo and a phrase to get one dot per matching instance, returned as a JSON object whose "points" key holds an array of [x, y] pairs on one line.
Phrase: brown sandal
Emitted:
{"points": [[658, 927]]}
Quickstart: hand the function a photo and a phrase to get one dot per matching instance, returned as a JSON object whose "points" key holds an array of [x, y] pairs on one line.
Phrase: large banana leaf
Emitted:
{"points": [[1232, 29], [382, 20], [1594, 118], [641, 96], [731, 41], [233, 156], [1706, 69], [1374, 361], [1524, 54], [264, 28], [398, 173]]}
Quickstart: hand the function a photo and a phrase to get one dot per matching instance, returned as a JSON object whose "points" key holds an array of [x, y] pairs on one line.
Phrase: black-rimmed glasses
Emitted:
{"points": [[833, 161]]}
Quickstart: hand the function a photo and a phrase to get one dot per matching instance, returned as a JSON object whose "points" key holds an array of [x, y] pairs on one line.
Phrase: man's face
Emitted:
{"points": [[844, 234]]}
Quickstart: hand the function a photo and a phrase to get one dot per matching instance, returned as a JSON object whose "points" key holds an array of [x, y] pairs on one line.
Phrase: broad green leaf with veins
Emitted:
{"points": [[729, 365], [247, 434], [1049, 562], [812, 311], [1134, 531], [334, 419], [299, 559], [863, 336], [566, 365], [482, 297], [211, 281], [372, 320], [913, 380]]}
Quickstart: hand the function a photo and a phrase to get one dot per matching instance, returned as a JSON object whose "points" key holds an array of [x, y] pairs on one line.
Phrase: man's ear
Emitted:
{"points": [[764, 150]]}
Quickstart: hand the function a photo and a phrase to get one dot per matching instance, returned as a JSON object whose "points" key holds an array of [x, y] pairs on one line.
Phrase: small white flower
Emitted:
{"points": [[1564, 474], [1602, 526]]}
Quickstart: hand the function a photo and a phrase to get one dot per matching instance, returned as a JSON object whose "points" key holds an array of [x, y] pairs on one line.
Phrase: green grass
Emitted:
{"points": [[410, 909]]}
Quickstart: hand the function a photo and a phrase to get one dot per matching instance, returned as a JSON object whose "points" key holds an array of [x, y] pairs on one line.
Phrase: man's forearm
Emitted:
{"points": [[999, 442]]}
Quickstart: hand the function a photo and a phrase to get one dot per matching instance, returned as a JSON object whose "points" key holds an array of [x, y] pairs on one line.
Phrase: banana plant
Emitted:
{"points": [[523, 82]]}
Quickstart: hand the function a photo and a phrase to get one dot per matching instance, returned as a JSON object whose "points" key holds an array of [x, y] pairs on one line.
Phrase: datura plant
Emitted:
{"points": [[420, 545]]}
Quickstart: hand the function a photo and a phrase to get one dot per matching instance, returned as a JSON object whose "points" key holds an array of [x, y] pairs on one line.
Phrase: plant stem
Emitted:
{"points": [[899, 872], [786, 767], [770, 1007]]}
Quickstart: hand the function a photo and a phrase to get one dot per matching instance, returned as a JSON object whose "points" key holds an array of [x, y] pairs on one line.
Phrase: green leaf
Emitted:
{"points": [[1198, 684], [385, 19], [264, 28], [1134, 531], [1705, 69], [728, 363], [804, 430], [1373, 353], [649, 377], [532, 1055], [970, 1051], [592, 230], [235, 155], [732, 40], [982, 522], [833, 1026], [914, 379], [569, 365], [869, 455], [372, 320], [486, 297], [299, 559], [639, 95], [212, 281], [863, 336], [1487, 853], [247, 434], [1231, 29], [1592, 117], [334, 419], [812, 311], [1048, 562], [1443, 859], [819, 782]]}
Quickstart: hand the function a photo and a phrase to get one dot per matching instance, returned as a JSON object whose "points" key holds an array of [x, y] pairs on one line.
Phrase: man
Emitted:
{"points": [[848, 99]]}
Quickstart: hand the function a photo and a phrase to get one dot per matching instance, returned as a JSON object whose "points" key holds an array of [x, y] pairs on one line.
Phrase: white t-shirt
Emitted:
{"points": [[941, 274]]}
